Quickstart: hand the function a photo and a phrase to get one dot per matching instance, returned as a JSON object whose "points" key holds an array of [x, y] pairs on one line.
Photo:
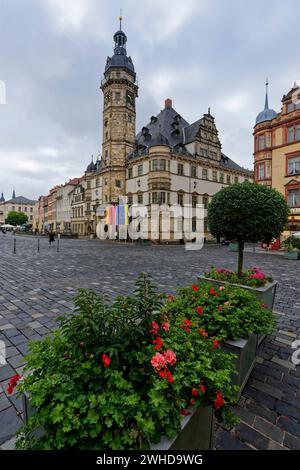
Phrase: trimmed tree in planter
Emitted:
{"points": [[247, 212]]}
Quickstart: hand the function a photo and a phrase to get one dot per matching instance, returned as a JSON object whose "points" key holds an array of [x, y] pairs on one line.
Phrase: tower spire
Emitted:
{"points": [[120, 19], [267, 97], [14, 194]]}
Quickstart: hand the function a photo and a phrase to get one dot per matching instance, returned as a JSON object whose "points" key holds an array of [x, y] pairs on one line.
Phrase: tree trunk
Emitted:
{"points": [[241, 258]]}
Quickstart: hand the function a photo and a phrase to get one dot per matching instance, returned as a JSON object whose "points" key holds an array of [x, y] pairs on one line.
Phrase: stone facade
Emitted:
{"points": [[17, 204]]}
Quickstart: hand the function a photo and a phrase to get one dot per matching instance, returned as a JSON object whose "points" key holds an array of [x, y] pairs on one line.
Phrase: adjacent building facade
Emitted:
{"points": [[17, 204], [277, 151]]}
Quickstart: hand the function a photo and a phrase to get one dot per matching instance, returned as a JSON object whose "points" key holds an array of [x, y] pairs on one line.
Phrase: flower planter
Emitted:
{"points": [[292, 255], [245, 350], [233, 247], [265, 294], [197, 429], [197, 432]]}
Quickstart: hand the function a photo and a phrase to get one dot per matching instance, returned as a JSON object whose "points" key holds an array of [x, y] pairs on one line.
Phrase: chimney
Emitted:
{"points": [[168, 103]]}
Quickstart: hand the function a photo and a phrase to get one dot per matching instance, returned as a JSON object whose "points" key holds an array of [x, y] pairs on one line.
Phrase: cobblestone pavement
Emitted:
{"points": [[37, 287]]}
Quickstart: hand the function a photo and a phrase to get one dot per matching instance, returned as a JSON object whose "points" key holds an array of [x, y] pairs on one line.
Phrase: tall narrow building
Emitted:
{"points": [[120, 90]]}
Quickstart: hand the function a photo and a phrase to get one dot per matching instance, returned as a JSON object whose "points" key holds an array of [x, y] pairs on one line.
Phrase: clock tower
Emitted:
{"points": [[120, 90]]}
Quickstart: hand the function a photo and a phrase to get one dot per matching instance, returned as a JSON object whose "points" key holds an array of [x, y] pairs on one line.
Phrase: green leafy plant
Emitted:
{"points": [[247, 212], [252, 277], [221, 313], [16, 218], [120, 375], [292, 244]]}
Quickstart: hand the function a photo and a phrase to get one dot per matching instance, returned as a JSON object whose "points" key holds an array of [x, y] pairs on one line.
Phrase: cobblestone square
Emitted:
{"points": [[38, 287]]}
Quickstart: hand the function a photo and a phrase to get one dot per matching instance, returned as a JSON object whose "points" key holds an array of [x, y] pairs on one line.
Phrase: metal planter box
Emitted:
{"points": [[197, 432], [245, 350], [233, 247], [291, 255], [197, 429]]}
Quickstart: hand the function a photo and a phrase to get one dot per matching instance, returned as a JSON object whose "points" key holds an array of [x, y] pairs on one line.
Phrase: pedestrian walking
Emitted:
{"points": [[51, 238]]}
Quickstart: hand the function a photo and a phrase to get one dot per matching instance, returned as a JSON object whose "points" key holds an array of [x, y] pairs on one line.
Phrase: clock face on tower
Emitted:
{"points": [[130, 98]]}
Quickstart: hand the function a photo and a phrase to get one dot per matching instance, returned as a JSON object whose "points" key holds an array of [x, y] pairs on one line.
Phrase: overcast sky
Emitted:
{"points": [[200, 53]]}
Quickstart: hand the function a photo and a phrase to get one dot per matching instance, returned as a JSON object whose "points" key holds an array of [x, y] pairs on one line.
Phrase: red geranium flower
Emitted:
{"points": [[203, 332], [195, 287], [186, 325], [170, 357], [219, 402], [158, 362], [163, 373], [184, 412], [154, 328], [199, 310], [195, 392], [165, 326], [12, 383], [158, 343], [170, 379], [215, 343], [106, 360], [202, 388], [192, 401], [212, 291]]}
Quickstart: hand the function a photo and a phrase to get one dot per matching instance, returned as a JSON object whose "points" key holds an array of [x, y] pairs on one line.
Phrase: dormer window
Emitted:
{"points": [[145, 132], [153, 119]]}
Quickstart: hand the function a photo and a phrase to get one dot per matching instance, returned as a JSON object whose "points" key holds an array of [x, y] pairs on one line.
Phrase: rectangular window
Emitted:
{"points": [[205, 202], [204, 173], [180, 199], [154, 165], [25, 209], [297, 132], [293, 198], [290, 134], [118, 183], [20, 209], [162, 165], [193, 171], [213, 155], [129, 173], [294, 166], [221, 177], [88, 185], [129, 199], [228, 179], [261, 171], [261, 142], [180, 169], [154, 198], [118, 96], [162, 198], [290, 107], [236, 179], [268, 169], [215, 175], [194, 225], [140, 199], [194, 201], [140, 169], [203, 153]]}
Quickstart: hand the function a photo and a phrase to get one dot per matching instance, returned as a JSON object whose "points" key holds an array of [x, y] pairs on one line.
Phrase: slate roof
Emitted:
{"points": [[226, 162], [169, 128], [20, 200], [164, 129]]}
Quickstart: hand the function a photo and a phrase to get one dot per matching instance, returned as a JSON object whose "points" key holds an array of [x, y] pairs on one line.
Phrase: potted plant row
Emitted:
{"points": [[127, 374], [293, 248]]}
